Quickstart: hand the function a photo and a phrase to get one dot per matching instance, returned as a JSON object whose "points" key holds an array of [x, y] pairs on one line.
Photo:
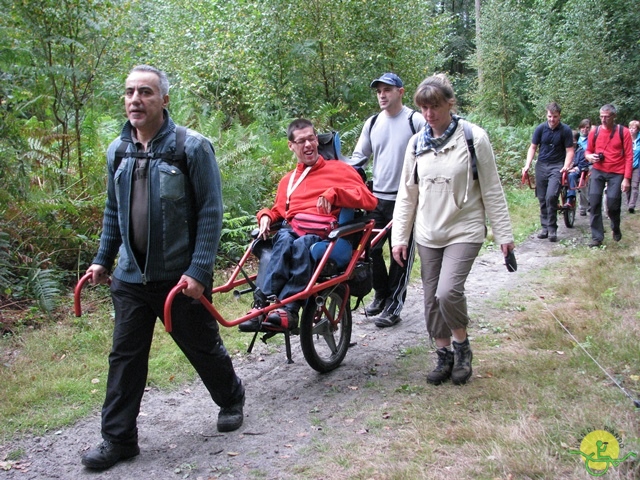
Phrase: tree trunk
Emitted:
{"points": [[478, 38]]}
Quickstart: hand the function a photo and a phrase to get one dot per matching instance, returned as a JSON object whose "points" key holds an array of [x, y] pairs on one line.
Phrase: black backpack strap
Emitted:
{"points": [[468, 136], [621, 130], [416, 178], [120, 154], [180, 156], [411, 125], [373, 122]]}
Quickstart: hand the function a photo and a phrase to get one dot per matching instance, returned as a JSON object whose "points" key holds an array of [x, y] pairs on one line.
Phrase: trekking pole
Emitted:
{"points": [[636, 402]]}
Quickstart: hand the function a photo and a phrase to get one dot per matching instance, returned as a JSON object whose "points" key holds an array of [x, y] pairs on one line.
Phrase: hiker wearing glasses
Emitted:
{"points": [[384, 140], [610, 152], [316, 186]]}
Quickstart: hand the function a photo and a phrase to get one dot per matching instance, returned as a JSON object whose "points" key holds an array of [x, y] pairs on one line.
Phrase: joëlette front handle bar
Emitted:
{"points": [[77, 308]]}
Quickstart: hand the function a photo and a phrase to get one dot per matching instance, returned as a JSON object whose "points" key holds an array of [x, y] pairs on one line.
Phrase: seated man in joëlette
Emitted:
{"points": [[315, 186]]}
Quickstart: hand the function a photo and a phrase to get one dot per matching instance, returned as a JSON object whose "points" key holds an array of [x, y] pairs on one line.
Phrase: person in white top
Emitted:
{"points": [[384, 140], [446, 206]]}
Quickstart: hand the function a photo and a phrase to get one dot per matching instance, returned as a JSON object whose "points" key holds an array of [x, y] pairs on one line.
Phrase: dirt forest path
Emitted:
{"points": [[285, 403]]}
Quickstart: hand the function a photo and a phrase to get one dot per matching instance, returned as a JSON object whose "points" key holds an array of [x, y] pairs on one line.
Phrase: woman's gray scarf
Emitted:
{"points": [[426, 141]]}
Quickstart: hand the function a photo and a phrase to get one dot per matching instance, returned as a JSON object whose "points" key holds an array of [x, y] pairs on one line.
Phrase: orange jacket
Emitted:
{"points": [[336, 181]]}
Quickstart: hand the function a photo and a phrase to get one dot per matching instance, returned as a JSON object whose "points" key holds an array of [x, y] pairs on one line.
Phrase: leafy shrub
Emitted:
{"points": [[510, 145]]}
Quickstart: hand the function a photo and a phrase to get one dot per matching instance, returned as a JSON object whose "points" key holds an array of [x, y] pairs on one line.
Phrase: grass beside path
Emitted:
{"points": [[535, 394]]}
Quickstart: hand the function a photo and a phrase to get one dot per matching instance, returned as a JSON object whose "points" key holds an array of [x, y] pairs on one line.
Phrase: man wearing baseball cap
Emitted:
{"points": [[384, 140]]}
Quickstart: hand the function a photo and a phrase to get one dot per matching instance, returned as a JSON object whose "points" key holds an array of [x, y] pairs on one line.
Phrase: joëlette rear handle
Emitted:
{"points": [[167, 308], [77, 308]]}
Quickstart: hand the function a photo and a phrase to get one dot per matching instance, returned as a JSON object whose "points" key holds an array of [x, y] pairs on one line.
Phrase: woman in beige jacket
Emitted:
{"points": [[440, 197]]}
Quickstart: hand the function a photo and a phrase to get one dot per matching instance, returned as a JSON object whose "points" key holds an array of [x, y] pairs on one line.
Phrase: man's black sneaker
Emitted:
{"points": [[375, 307], [387, 319], [632, 210], [107, 454], [252, 325], [231, 418], [595, 244], [442, 372], [553, 237], [543, 234]]}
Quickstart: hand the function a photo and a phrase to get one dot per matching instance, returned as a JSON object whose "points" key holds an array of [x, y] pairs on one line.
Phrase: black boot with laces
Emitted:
{"points": [[463, 356], [443, 369]]}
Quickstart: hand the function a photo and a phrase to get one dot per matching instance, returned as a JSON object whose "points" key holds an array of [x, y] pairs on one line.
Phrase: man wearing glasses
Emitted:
{"points": [[610, 151], [315, 186]]}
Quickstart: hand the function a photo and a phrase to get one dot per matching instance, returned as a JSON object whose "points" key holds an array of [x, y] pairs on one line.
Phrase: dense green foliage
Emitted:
{"points": [[580, 53], [240, 70]]}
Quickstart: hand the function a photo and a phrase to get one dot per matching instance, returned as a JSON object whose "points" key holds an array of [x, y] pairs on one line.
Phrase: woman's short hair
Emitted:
{"points": [[434, 90], [634, 123], [585, 123]]}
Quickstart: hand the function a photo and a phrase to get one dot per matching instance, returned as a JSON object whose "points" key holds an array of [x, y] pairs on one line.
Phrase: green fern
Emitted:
{"points": [[5, 272], [43, 285], [235, 234]]}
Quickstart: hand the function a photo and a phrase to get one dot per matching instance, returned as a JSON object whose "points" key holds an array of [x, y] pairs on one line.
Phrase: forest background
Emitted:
{"points": [[240, 71]]}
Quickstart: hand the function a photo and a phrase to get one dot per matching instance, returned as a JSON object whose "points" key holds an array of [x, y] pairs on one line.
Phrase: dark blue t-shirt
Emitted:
{"points": [[552, 144]]}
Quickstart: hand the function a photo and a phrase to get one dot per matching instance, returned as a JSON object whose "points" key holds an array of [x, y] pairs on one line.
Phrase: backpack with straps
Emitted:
{"points": [[411, 126], [620, 131], [329, 145], [473, 158], [178, 158]]}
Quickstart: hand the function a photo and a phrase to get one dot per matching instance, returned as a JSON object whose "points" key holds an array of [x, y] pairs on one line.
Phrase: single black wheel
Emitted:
{"points": [[325, 329], [568, 212], [569, 216]]}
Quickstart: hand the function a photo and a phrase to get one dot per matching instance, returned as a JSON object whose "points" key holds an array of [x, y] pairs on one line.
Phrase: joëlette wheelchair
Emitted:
{"points": [[568, 209], [325, 323]]}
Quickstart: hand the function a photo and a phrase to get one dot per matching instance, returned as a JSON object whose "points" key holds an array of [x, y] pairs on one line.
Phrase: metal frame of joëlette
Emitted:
{"points": [[584, 178], [367, 229]]}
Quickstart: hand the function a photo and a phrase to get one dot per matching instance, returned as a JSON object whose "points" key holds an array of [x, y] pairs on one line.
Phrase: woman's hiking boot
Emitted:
{"points": [[443, 369], [462, 362]]}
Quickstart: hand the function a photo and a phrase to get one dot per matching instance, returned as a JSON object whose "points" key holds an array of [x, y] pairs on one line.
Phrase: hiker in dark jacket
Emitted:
{"points": [[165, 225], [579, 165]]}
